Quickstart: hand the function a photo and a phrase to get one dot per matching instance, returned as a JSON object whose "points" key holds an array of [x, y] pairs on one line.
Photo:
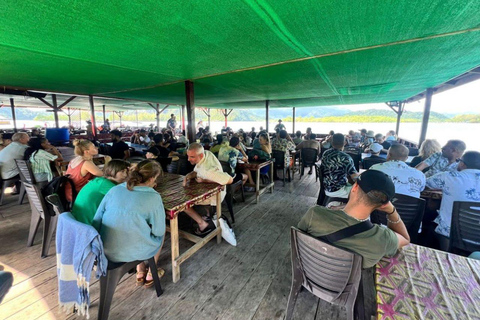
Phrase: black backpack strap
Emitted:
{"points": [[347, 232]]}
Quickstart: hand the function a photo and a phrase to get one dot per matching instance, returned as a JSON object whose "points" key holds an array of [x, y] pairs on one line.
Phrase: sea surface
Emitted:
{"points": [[468, 132]]}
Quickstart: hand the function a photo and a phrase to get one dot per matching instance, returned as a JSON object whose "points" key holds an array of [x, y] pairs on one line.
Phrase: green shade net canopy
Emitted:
{"points": [[239, 53]]}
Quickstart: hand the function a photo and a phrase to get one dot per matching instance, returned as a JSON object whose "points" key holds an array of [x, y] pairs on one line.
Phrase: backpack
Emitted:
{"points": [[57, 186]]}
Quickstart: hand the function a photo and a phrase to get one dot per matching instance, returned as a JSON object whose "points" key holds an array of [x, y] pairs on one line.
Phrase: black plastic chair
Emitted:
{"points": [[330, 273], [56, 203], [108, 284], [308, 158], [411, 211], [40, 212], [323, 199], [26, 175], [135, 159], [368, 162], [279, 164], [356, 155], [465, 227], [231, 188]]}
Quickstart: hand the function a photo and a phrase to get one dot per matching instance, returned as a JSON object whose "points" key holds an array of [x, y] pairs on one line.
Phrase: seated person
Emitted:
{"points": [[298, 138], [15, 150], [461, 185], [119, 149], [407, 180], [221, 141], [369, 139], [336, 166], [309, 142], [158, 143], [41, 159], [380, 139], [6, 140], [327, 143], [81, 169], [375, 158], [252, 134], [428, 147], [391, 136], [131, 220], [308, 133], [89, 198], [446, 160], [207, 169], [141, 137], [283, 142], [372, 191], [231, 154], [262, 142]]}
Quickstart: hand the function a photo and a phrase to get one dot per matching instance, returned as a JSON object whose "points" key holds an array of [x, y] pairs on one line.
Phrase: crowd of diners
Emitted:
{"points": [[120, 200]]}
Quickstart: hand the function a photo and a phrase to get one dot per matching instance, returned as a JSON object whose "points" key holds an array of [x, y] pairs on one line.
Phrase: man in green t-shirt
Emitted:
{"points": [[372, 191]]}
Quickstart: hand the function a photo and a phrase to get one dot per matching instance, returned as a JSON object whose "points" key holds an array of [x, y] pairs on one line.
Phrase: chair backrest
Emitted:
{"points": [[36, 200], [25, 170], [356, 156], [309, 156], [226, 167], [465, 227], [135, 159], [56, 203], [368, 162], [332, 274], [279, 157], [411, 211]]}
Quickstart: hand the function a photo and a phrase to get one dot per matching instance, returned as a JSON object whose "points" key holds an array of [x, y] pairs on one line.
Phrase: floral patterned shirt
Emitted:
{"points": [[335, 166], [285, 146], [457, 186], [438, 163], [407, 180]]}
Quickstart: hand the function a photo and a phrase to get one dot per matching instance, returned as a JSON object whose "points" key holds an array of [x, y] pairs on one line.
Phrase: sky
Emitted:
{"points": [[463, 99]]}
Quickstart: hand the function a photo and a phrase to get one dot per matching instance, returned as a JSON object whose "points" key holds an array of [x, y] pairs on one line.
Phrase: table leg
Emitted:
{"points": [[175, 249], [257, 186], [271, 178], [219, 215]]}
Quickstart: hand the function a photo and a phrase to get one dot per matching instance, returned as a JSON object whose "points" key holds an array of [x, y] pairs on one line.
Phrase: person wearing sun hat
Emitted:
{"points": [[373, 190]]}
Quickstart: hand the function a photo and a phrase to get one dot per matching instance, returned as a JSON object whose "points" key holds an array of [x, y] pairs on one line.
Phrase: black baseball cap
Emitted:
{"points": [[117, 133], [153, 151], [374, 180]]}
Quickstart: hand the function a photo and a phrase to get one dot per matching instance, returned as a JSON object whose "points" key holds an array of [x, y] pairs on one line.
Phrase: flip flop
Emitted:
{"points": [[207, 230], [140, 281], [149, 283]]}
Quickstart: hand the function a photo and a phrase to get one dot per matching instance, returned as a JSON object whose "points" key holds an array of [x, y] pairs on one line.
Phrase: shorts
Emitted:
{"points": [[238, 177]]}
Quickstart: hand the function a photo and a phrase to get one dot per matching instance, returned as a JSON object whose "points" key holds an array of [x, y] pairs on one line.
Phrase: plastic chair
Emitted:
{"points": [[26, 174], [368, 162], [308, 157], [323, 199], [231, 188], [411, 211], [9, 183], [56, 203], [465, 227], [108, 284], [330, 273], [356, 155], [40, 212], [135, 159], [279, 164]]}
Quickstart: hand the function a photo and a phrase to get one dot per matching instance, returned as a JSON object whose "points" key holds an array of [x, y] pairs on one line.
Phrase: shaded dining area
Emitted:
{"points": [[168, 221]]}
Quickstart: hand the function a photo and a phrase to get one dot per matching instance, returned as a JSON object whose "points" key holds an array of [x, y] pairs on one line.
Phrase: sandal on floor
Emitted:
{"points": [[211, 226], [149, 283], [140, 281]]}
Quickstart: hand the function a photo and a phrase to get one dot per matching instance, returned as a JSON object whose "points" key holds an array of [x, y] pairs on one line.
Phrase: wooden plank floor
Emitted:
{"points": [[250, 281]]}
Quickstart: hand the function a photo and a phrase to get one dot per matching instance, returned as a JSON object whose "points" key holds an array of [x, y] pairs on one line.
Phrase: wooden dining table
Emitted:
{"points": [[256, 166], [176, 198], [424, 283]]}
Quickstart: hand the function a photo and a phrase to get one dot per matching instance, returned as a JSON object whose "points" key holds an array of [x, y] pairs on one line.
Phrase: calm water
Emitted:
{"points": [[468, 132]]}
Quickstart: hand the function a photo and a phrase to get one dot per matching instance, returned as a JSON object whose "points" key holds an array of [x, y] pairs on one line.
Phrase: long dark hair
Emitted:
{"points": [[34, 145]]}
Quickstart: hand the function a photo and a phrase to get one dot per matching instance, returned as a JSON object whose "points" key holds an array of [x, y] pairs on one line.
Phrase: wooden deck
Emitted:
{"points": [[250, 281]]}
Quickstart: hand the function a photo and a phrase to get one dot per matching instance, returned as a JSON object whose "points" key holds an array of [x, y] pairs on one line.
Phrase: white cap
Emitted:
{"points": [[376, 147]]}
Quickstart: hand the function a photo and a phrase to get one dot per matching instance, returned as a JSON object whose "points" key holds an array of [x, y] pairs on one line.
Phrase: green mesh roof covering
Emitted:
{"points": [[239, 53]]}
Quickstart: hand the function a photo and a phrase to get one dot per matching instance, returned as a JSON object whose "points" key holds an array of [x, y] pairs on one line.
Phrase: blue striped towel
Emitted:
{"points": [[78, 245]]}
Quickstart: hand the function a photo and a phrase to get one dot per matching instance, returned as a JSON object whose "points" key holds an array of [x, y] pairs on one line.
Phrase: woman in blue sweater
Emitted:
{"points": [[131, 220]]}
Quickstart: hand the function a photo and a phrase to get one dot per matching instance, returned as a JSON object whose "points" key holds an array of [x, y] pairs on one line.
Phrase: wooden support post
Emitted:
{"points": [[190, 99], [267, 107], [92, 116], [104, 117], [399, 116], [69, 118], [182, 116], [426, 115], [208, 115], [293, 121], [157, 117], [55, 110], [14, 116], [226, 118]]}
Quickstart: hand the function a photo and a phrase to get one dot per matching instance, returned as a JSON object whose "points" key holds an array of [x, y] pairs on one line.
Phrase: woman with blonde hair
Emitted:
{"points": [[82, 169], [131, 220], [92, 194], [428, 147]]}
